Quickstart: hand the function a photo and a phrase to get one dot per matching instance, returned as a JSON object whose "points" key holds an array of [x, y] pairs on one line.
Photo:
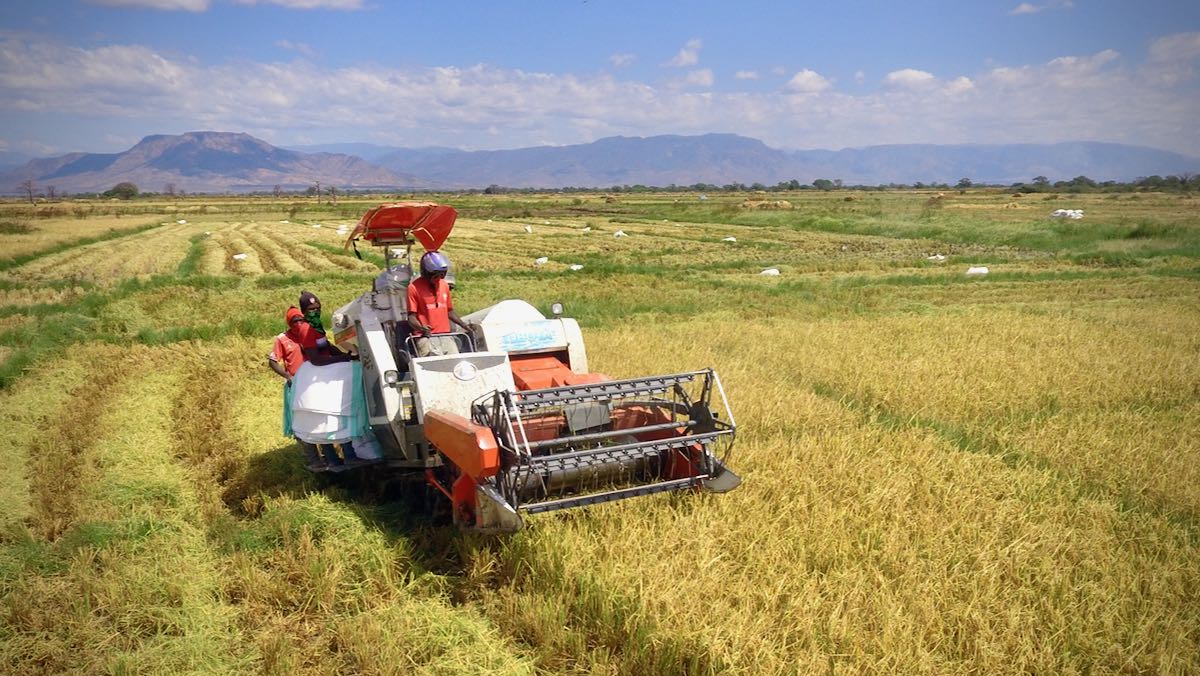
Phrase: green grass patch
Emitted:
{"points": [[1150, 229], [369, 256], [191, 260], [15, 228]]}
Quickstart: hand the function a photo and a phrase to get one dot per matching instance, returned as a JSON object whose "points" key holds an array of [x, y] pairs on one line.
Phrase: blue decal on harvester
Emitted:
{"points": [[531, 337]]}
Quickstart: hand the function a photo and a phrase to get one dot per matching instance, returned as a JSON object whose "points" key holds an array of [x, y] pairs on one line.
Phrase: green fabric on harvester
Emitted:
{"points": [[358, 401], [287, 408]]}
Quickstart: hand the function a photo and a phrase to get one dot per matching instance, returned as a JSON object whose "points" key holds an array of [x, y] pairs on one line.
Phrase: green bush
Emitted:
{"points": [[123, 191]]}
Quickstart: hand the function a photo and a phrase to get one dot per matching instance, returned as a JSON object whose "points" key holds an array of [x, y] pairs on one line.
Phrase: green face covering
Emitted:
{"points": [[314, 319]]}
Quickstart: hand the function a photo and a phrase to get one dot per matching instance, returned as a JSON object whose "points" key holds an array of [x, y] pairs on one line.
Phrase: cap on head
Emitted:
{"points": [[433, 262], [308, 298], [294, 315]]}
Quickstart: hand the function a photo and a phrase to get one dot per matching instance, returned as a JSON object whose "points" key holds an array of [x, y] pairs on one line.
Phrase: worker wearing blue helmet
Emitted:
{"points": [[430, 309]]}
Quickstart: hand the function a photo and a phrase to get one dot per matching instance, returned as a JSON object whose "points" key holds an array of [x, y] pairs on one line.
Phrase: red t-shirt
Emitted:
{"points": [[308, 335], [287, 352], [431, 304]]}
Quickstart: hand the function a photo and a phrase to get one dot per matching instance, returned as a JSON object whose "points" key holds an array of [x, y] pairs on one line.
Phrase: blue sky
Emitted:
{"points": [[97, 76]]}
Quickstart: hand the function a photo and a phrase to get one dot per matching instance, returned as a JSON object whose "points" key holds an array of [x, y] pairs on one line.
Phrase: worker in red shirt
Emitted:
{"points": [[314, 343], [316, 348], [285, 358], [430, 309]]}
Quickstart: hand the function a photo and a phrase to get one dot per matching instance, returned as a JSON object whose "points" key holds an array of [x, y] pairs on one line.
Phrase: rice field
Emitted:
{"points": [[942, 473], [23, 234]]}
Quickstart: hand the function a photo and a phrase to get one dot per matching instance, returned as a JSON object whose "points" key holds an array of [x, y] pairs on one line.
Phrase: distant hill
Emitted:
{"points": [[205, 161], [657, 161], [1004, 164], [233, 162], [722, 159], [367, 151]]}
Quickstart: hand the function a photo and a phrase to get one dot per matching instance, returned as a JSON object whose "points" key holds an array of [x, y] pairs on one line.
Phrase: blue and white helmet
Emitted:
{"points": [[434, 261]]}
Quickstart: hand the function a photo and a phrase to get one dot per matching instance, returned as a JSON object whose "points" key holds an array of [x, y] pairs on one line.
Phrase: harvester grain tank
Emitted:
{"points": [[516, 423]]}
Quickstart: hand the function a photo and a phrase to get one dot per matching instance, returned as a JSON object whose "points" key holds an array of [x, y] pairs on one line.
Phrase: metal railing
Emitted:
{"points": [[561, 471]]}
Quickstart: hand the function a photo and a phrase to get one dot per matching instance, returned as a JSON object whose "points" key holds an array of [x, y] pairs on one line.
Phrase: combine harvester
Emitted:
{"points": [[516, 424]]}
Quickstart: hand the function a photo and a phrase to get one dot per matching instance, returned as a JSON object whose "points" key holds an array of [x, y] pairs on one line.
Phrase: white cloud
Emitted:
{"points": [[746, 75], [1030, 8], [960, 84], [688, 56], [1172, 60], [132, 87], [860, 76], [203, 5], [298, 47], [910, 78], [1177, 47], [622, 60], [306, 4], [187, 5], [808, 82], [702, 78], [1085, 63]]}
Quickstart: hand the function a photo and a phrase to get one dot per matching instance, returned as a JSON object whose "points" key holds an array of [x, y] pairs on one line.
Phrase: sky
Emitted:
{"points": [[98, 75]]}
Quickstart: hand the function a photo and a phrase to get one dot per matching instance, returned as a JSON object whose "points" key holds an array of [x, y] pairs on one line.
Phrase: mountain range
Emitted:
{"points": [[205, 162], [237, 162]]}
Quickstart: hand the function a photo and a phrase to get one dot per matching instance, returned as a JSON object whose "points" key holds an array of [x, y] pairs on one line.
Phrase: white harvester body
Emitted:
{"points": [[515, 423]]}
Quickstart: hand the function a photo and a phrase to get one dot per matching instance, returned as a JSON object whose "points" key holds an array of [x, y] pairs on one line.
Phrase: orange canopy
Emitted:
{"points": [[392, 223]]}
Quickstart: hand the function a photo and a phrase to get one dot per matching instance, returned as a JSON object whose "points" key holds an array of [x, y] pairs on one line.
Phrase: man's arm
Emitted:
{"points": [[317, 348], [278, 368], [417, 327], [458, 320], [413, 303], [325, 357]]}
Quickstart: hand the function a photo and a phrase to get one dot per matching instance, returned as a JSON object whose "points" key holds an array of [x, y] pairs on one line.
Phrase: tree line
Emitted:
{"points": [[1184, 182]]}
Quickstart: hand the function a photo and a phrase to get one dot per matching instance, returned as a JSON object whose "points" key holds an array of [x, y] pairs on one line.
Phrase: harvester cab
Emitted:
{"points": [[515, 423]]}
